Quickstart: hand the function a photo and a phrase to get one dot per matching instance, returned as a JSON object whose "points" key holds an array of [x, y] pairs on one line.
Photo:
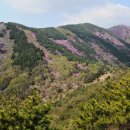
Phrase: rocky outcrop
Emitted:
{"points": [[121, 31]]}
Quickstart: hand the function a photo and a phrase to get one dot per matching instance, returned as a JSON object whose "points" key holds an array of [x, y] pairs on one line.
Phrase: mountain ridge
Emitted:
{"points": [[121, 31], [71, 39]]}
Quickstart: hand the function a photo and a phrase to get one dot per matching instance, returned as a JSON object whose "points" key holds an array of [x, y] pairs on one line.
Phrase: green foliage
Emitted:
{"points": [[7, 72], [96, 74], [64, 67], [67, 109], [53, 33], [56, 49], [29, 114], [13, 81], [83, 31], [83, 47], [24, 54], [18, 86], [14, 30], [110, 109]]}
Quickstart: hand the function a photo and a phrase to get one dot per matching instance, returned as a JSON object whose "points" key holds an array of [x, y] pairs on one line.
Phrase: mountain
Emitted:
{"points": [[121, 31], [82, 42], [59, 72]]}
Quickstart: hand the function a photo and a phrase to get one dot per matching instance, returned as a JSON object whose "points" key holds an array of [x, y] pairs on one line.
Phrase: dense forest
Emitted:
{"points": [[24, 54]]}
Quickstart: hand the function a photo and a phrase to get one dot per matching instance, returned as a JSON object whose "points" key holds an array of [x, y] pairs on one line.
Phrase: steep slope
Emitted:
{"points": [[74, 111], [121, 31], [101, 38], [70, 55], [39, 59], [6, 45], [82, 42]]}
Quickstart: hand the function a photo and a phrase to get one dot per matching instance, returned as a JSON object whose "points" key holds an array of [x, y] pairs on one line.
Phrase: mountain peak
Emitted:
{"points": [[121, 31]]}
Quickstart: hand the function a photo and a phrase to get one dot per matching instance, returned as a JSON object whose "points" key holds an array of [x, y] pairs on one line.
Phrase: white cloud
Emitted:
{"points": [[29, 6], [104, 16], [44, 6], [104, 13]]}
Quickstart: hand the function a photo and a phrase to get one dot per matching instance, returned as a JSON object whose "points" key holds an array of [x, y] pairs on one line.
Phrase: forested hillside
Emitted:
{"points": [[74, 77]]}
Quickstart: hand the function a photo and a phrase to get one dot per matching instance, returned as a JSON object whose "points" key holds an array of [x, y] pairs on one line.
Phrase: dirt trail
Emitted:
{"points": [[102, 78]]}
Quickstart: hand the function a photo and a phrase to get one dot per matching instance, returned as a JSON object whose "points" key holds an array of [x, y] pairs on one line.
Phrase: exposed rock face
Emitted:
{"points": [[6, 47], [69, 46], [107, 36], [121, 31], [103, 55]]}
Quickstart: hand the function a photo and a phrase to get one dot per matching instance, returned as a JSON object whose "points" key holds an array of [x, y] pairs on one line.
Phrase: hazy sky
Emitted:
{"points": [[46, 13]]}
